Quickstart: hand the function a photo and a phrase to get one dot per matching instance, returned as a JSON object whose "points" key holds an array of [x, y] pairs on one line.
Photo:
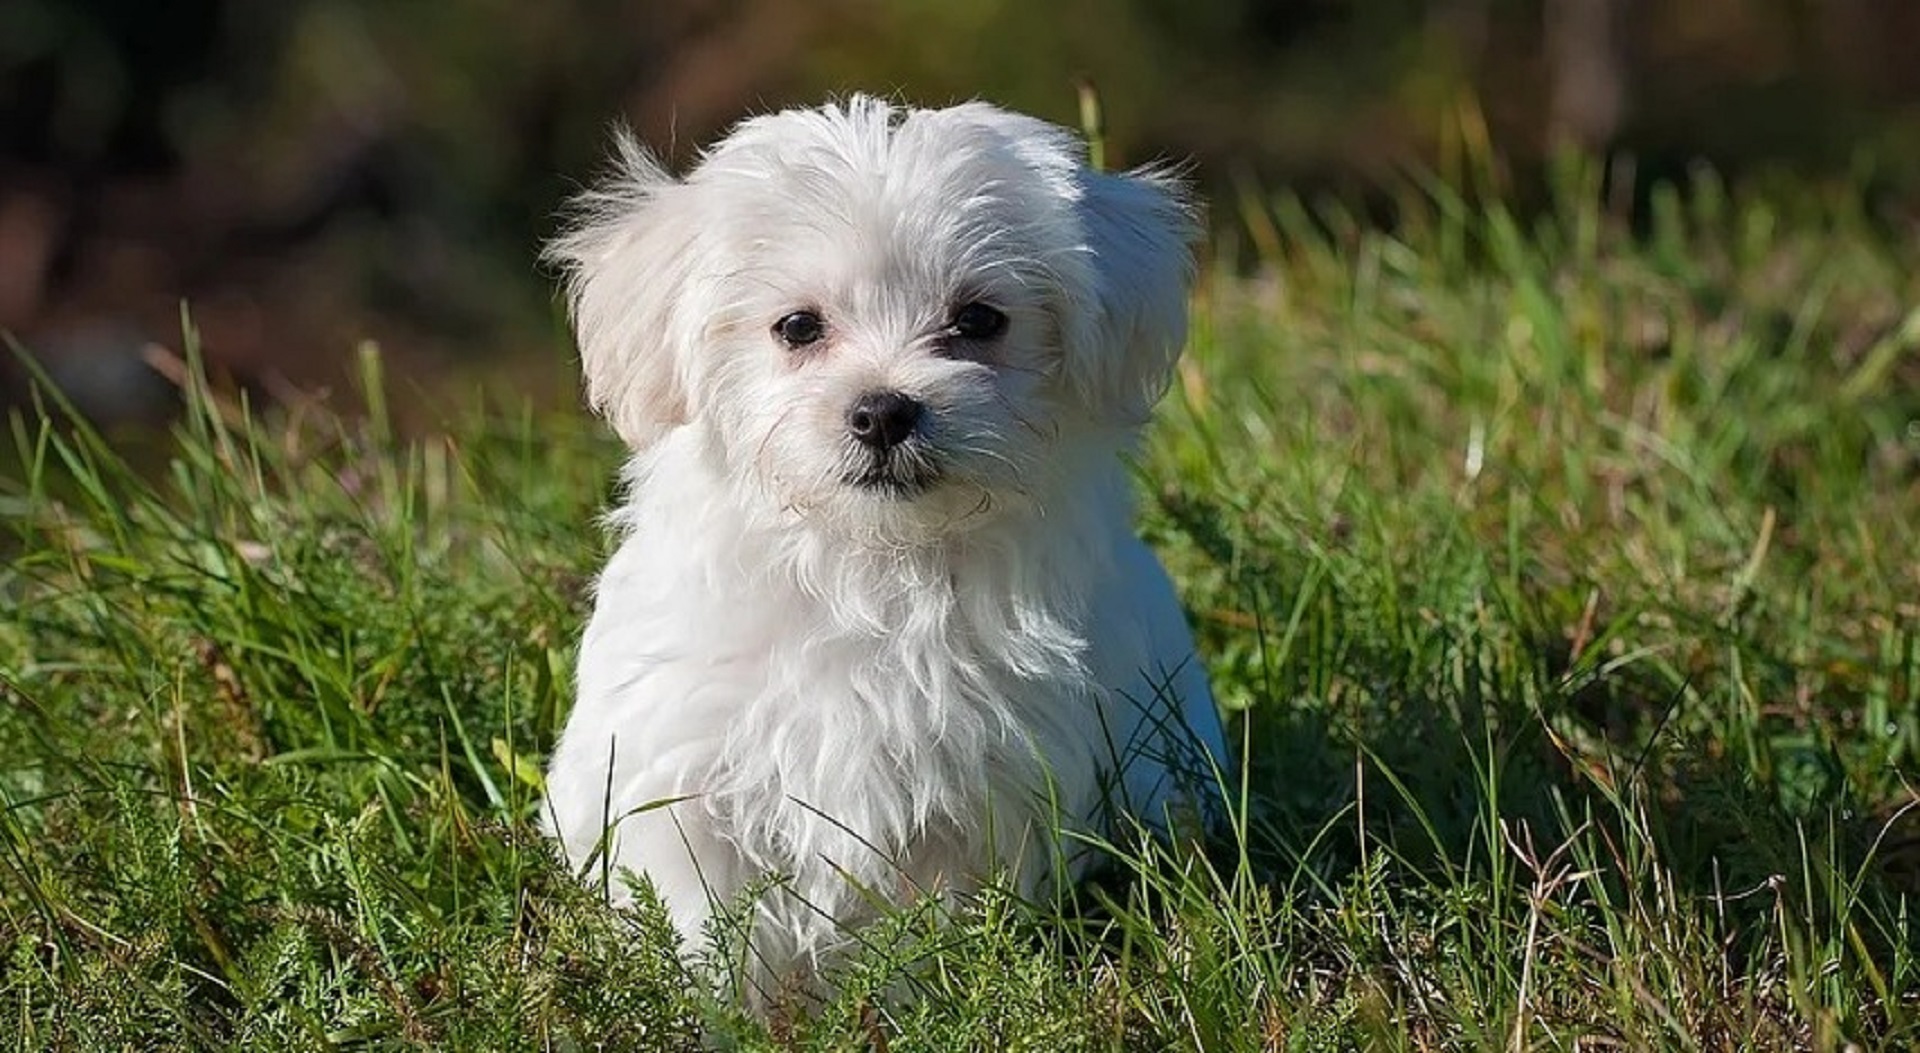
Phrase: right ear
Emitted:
{"points": [[629, 262]]}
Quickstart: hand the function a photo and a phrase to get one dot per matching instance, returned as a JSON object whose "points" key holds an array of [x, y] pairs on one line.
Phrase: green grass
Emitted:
{"points": [[1563, 577]]}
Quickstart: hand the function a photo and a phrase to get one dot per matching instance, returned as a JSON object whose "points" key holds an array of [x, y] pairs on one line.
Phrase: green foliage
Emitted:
{"points": [[1560, 578]]}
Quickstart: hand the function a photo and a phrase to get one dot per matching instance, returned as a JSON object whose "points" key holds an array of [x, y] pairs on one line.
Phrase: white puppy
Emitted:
{"points": [[878, 624]]}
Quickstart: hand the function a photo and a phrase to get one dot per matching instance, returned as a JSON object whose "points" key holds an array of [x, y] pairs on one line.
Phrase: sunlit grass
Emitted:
{"points": [[1560, 574]]}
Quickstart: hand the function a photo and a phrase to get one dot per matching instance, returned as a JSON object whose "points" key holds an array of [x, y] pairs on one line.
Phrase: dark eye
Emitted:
{"points": [[800, 329], [977, 321]]}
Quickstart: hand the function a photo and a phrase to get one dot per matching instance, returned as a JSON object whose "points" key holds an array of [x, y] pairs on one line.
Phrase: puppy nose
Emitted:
{"points": [[883, 419]]}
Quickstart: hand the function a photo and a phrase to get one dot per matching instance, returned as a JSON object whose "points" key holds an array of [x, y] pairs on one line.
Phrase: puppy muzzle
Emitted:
{"points": [[899, 472], [888, 451]]}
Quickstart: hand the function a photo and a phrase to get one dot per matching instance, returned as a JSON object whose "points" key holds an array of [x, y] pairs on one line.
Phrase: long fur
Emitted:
{"points": [[865, 694]]}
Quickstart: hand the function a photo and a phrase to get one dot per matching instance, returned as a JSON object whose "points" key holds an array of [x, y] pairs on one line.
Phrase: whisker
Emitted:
{"points": [[760, 451]]}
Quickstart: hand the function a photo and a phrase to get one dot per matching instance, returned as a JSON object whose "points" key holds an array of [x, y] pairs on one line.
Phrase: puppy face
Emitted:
{"points": [[884, 320]]}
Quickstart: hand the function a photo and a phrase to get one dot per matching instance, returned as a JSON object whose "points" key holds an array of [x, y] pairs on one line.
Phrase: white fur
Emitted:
{"points": [[872, 694]]}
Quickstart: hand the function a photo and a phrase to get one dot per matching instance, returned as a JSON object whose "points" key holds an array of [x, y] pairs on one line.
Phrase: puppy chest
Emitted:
{"points": [[873, 758]]}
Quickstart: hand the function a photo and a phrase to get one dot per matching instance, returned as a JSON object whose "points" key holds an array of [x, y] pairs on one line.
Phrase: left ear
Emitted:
{"points": [[1122, 340]]}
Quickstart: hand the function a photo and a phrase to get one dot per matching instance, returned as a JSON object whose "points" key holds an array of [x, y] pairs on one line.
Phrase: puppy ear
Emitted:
{"points": [[1138, 228], [628, 259]]}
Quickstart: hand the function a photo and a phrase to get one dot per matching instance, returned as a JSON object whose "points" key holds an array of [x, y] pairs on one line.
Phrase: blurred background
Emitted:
{"points": [[311, 173]]}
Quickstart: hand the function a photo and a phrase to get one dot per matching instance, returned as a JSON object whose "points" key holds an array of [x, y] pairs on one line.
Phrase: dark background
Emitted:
{"points": [[310, 173]]}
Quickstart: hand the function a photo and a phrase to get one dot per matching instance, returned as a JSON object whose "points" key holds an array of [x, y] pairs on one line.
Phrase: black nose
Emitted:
{"points": [[883, 419]]}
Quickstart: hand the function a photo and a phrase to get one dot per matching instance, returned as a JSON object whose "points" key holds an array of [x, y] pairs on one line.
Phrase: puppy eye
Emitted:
{"points": [[800, 329], [977, 321]]}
